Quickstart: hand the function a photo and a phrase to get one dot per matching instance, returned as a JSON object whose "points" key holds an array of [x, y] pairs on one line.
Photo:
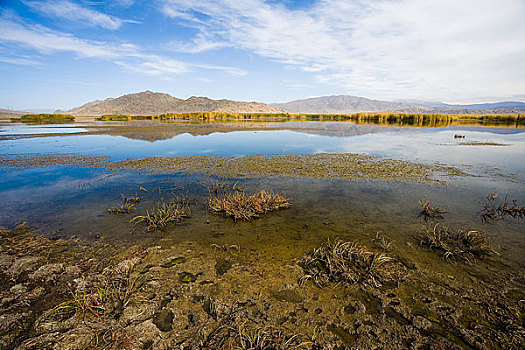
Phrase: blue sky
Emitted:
{"points": [[63, 53]]}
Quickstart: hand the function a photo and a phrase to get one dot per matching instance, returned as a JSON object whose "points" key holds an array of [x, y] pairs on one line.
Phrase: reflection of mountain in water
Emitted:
{"points": [[152, 131], [337, 129]]}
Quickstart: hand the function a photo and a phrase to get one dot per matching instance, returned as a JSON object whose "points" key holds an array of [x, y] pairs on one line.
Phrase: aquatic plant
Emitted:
{"points": [[128, 204], [460, 244], [232, 201], [494, 210], [163, 214], [344, 262], [429, 212], [383, 241]]}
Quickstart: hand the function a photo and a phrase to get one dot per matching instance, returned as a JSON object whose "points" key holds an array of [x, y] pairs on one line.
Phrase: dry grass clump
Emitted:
{"points": [[128, 204], [344, 262], [255, 337], [104, 295], [494, 210], [235, 202], [429, 212], [163, 214], [461, 244]]}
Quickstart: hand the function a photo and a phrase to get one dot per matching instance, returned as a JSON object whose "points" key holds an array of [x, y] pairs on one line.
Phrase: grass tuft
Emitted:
{"points": [[344, 262], [494, 209], [163, 214], [107, 295], [460, 244], [429, 212], [236, 203], [127, 206]]}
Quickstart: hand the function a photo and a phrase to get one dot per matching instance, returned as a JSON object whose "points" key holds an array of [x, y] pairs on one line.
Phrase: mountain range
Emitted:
{"points": [[154, 103], [344, 104]]}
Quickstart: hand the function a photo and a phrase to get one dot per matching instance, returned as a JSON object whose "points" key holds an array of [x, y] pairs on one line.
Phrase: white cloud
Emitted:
{"points": [[20, 61], [199, 44], [129, 56], [71, 11], [445, 49]]}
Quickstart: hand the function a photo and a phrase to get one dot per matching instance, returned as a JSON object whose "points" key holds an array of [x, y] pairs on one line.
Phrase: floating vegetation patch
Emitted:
{"points": [[343, 166], [494, 209], [345, 262], [39, 160], [460, 244], [127, 206], [163, 214], [429, 212], [232, 201]]}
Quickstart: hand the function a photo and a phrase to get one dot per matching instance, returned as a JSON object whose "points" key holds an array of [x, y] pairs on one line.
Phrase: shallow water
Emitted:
{"points": [[70, 201], [25, 129]]}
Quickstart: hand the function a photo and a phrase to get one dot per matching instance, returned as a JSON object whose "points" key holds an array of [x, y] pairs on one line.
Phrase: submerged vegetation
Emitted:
{"points": [[345, 262], [232, 201], [127, 206], [430, 212], [163, 214], [45, 118], [494, 209], [460, 244]]}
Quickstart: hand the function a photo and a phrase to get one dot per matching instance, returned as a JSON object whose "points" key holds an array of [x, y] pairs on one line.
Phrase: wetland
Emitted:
{"points": [[261, 234]]}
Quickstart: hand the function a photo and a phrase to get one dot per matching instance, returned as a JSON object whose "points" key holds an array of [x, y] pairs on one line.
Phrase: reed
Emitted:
{"points": [[45, 118]]}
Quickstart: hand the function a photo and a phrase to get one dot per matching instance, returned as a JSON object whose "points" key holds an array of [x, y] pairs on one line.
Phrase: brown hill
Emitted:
{"points": [[154, 103], [348, 104]]}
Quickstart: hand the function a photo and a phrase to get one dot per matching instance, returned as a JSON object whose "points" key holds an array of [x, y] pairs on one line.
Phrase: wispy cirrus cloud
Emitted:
{"points": [[446, 49], [71, 11], [47, 41]]}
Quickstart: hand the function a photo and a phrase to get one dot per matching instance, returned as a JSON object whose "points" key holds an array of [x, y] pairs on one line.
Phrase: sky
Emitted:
{"points": [[59, 54]]}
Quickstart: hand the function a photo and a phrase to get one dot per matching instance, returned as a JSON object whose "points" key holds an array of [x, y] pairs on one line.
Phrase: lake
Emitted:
{"points": [[68, 199]]}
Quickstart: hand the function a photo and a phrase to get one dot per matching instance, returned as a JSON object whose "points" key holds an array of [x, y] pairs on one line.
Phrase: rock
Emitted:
{"points": [[174, 261], [21, 265], [288, 295], [47, 272], [163, 319], [18, 290], [186, 277], [222, 266], [421, 323]]}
